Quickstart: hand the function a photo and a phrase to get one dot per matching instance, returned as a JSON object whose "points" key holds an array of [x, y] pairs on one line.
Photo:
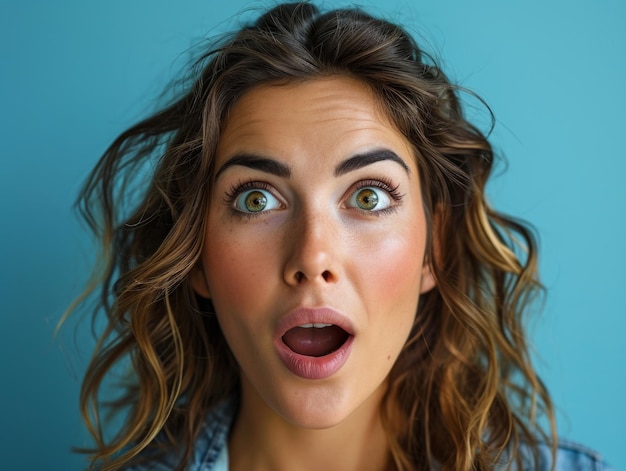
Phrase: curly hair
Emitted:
{"points": [[463, 393]]}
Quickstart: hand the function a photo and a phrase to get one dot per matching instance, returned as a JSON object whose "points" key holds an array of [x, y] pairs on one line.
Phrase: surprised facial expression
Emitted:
{"points": [[314, 249]]}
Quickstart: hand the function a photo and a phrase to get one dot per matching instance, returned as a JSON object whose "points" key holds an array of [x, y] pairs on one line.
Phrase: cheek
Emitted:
{"points": [[392, 283], [236, 269], [394, 267]]}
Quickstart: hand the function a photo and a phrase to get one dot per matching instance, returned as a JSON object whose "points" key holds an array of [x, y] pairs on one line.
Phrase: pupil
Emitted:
{"points": [[256, 201]]}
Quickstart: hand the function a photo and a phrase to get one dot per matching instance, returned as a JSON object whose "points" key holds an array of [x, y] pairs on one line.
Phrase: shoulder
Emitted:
{"points": [[208, 448], [573, 456], [213, 438], [570, 456]]}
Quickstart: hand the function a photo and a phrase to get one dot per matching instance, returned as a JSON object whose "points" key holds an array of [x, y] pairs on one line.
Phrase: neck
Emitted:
{"points": [[262, 440]]}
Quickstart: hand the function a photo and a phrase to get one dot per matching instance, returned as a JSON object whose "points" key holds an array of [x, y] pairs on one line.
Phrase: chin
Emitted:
{"points": [[316, 416], [319, 408]]}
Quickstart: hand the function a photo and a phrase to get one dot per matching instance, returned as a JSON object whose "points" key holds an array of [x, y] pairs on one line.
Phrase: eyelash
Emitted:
{"points": [[382, 183], [240, 187]]}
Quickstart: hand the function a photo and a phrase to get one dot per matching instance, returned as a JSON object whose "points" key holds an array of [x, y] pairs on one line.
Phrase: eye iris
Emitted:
{"points": [[255, 201], [367, 199]]}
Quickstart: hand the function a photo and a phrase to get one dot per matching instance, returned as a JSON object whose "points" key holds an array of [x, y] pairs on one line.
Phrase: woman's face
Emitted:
{"points": [[314, 248]]}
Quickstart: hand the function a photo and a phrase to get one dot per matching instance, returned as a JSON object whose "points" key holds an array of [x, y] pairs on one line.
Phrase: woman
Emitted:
{"points": [[312, 278]]}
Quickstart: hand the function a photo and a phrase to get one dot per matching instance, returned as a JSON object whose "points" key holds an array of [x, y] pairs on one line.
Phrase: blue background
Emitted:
{"points": [[75, 73]]}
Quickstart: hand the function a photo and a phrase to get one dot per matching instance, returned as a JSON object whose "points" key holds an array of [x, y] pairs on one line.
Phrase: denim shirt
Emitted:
{"points": [[211, 450]]}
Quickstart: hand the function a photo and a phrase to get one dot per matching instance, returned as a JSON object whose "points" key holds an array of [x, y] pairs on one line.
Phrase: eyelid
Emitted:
{"points": [[245, 185], [382, 183]]}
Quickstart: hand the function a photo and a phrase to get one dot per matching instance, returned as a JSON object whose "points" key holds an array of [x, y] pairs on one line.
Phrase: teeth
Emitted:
{"points": [[317, 326]]}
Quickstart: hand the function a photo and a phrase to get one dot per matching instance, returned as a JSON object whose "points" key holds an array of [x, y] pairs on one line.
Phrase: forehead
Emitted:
{"points": [[336, 115]]}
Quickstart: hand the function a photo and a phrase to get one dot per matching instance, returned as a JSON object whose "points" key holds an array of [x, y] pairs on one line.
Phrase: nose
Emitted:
{"points": [[312, 248]]}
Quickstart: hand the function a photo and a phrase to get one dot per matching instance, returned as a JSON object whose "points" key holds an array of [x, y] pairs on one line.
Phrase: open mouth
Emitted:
{"points": [[315, 340]]}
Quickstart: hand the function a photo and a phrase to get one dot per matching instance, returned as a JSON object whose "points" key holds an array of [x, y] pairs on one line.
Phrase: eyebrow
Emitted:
{"points": [[279, 169], [256, 162], [369, 158]]}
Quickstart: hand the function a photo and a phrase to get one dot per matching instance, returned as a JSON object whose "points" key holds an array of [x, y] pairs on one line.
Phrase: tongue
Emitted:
{"points": [[315, 342]]}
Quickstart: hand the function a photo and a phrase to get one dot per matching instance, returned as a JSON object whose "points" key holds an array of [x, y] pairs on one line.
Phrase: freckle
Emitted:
{"points": [[388, 357]]}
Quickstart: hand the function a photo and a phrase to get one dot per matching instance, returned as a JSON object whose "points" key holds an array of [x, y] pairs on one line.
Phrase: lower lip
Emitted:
{"points": [[308, 367]]}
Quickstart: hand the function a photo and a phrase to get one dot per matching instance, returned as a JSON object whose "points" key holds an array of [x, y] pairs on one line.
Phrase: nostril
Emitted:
{"points": [[300, 276]]}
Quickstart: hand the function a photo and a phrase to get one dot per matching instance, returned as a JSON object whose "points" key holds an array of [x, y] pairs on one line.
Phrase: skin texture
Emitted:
{"points": [[313, 246]]}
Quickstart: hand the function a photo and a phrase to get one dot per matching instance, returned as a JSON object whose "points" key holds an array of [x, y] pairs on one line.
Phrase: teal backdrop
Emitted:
{"points": [[73, 74]]}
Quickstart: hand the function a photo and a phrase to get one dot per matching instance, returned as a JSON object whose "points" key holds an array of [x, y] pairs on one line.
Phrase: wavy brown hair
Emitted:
{"points": [[462, 395]]}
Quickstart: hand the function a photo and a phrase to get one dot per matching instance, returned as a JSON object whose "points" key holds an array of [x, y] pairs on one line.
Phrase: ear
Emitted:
{"points": [[427, 281], [199, 282]]}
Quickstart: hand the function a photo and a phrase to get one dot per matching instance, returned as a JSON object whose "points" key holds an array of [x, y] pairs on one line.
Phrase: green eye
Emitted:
{"points": [[370, 199], [255, 201], [366, 199]]}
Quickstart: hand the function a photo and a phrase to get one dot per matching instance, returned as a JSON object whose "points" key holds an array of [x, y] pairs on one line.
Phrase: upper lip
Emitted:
{"points": [[315, 315]]}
